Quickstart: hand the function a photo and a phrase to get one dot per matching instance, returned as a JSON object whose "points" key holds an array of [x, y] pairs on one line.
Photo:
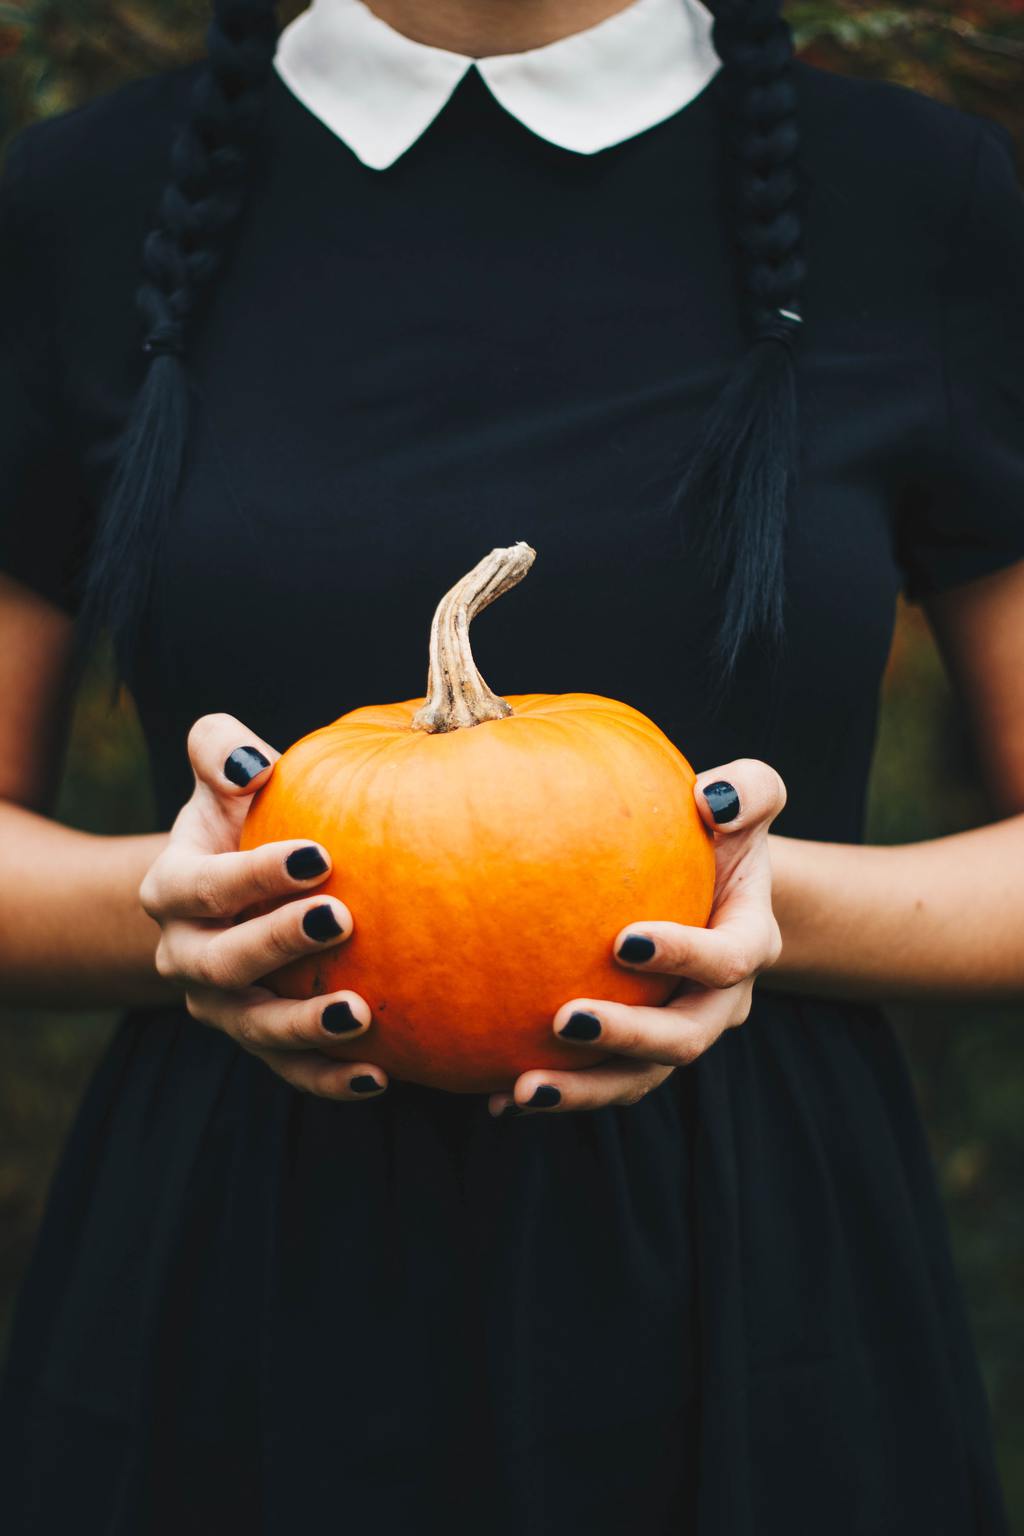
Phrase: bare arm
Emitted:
{"points": [[122, 920], [944, 916], [72, 932]]}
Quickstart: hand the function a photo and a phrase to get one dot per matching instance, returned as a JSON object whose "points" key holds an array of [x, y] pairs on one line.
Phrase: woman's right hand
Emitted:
{"points": [[200, 883]]}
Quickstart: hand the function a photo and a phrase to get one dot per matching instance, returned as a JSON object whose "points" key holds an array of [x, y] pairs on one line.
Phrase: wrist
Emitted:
{"points": [[806, 891]]}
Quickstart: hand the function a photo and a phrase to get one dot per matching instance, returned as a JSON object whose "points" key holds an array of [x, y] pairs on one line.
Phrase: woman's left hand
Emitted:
{"points": [[719, 964]]}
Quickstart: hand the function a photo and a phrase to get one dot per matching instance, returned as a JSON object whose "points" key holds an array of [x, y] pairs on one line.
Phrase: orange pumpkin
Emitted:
{"points": [[489, 851]]}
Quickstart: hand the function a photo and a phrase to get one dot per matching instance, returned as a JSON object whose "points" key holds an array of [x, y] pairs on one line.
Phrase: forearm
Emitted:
{"points": [[938, 918], [72, 932]]}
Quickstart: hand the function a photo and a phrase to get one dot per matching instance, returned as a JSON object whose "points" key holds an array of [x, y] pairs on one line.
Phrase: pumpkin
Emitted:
{"points": [[489, 850]]}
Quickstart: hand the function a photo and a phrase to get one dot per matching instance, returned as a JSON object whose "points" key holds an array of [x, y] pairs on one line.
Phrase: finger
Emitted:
{"points": [[236, 957], [227, 757], [743, 796], [722, 956], [261, 1021], [612, 1082], [674, 1035], [187, 884], [349, 1081]]}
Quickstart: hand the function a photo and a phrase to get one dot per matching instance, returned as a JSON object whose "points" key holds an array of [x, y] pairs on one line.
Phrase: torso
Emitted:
{"points": [[500, 339]]}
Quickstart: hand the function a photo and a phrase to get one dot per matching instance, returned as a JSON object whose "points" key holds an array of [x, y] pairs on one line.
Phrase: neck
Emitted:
{"points": [[481, 29]]}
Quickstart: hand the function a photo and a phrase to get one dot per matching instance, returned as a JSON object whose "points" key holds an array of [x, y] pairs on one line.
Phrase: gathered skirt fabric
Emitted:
{"points": [[728, 1310]]}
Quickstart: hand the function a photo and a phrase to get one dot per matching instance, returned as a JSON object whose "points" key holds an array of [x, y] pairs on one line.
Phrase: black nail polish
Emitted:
{"points": [[581, 1026], [509, 1111], [244, 764], [365, 1084], [635, 948], [338, 1019], [321, 924], [723, 800], [305, 864], [545, 1097]]}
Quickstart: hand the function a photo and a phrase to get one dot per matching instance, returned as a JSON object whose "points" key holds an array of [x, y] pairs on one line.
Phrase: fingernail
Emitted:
{"points": [[244, 764], [338, 1019], [305, 863], [635, 948], [510, 1109], [545, 1097], [581, 1026], [365, 1084], [723, 800], [321, 924]]}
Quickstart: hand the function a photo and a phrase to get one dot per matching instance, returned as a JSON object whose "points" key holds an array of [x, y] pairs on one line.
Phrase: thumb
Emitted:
{"points": [[227, 759], [742, 796]]}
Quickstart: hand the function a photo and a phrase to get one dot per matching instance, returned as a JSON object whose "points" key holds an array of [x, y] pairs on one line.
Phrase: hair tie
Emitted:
{"points": [[781, 325], [167, 341]]}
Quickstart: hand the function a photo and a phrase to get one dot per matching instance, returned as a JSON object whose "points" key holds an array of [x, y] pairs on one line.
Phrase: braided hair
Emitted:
{"points": [[182, 251], [737, 485]]}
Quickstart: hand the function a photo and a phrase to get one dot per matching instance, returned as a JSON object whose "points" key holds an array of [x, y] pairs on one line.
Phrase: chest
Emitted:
{"points": [[399, 372]]}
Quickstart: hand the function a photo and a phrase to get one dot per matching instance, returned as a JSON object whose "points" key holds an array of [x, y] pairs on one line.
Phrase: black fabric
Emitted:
{"points": [[730, 1309]]}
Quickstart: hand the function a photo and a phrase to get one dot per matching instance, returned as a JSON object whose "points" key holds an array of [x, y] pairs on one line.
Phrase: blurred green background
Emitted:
{"points": [[968, 1061]]}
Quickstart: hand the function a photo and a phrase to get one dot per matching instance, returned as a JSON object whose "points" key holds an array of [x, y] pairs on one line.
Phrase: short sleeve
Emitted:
{"points": [[966, 518], [40, 497]]}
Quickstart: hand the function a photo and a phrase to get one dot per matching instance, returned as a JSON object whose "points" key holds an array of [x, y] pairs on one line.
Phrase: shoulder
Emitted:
{"points": [[78, 190], [99, 154], [890, 152]]}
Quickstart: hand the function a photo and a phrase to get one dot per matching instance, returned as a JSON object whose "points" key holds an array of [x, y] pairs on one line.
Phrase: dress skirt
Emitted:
{"points": [[729, 1309]]}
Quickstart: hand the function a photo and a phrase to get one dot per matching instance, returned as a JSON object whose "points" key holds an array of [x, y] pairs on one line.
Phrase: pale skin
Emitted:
{"points": [[90, 920]]}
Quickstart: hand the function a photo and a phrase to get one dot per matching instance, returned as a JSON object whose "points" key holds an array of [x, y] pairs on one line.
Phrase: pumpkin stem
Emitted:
{"points": [[457, 695]]}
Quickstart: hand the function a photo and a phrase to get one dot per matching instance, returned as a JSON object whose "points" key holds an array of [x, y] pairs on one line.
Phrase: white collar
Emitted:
{"points": [[378, 90]]}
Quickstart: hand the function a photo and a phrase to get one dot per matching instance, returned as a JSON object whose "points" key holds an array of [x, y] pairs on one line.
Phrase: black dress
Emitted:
{"points": [[729, 1309]]}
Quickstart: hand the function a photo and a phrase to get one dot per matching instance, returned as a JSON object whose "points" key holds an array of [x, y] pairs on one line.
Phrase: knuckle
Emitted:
{"points": [[208, 892], [635, 1092], [149, 893], [266, 875], [296, 1083], [685, 1051], [285, 937], [640, 1086], [734, 968], [297, 1029], [246, 1028], [773, 946], [212, 968], [321, 1086], [163, 961], [263, 874], [194, 1007], [629, 1038], [338, 1091]]}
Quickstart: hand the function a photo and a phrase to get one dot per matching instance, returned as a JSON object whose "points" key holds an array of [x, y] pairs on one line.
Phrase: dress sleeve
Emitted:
{"points": [[41, 504], [966, 517]]}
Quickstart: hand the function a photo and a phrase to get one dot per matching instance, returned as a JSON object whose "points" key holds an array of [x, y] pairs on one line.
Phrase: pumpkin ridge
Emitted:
{"points": [[656, 738]]}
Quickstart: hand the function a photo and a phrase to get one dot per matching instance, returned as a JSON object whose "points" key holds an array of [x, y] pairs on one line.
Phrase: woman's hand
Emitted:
{"points": [[719, 963], [201, 882]]}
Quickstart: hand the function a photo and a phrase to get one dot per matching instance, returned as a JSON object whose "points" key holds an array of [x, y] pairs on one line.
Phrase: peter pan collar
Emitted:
{"points": [[378, 90]]}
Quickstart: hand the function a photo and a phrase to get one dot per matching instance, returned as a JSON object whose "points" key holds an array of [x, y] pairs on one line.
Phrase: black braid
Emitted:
{"points": [[182, 251], [737, 488]]}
